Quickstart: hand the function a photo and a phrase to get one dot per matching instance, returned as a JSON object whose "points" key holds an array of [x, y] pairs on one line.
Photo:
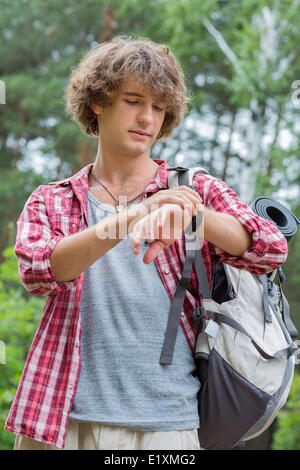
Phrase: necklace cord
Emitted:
{"points": [[116, 200]]}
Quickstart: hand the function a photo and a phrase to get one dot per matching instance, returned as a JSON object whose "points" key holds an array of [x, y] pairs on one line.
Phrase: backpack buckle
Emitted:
{"points": [[199, 314], [294, 349]]}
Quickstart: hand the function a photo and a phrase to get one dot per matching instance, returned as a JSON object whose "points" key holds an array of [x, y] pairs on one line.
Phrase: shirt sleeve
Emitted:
{"points": [[35, 242], [269, 246]]}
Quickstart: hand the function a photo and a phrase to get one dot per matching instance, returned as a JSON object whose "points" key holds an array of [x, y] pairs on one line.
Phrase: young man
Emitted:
{"points": [[92, 378]]}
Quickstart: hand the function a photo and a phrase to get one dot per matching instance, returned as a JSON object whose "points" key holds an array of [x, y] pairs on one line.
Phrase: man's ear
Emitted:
{"points": [[96, 108]]}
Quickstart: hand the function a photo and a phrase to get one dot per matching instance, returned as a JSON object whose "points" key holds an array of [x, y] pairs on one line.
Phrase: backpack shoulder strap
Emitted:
{"points": [[179, 176], [184, 176]]}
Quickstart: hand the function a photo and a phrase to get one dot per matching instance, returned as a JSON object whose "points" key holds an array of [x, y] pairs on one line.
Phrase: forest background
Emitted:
{"points": [[242, 65]]}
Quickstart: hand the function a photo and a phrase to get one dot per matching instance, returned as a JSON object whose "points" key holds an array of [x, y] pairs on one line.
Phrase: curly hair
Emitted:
{"points": [[103, 69]]}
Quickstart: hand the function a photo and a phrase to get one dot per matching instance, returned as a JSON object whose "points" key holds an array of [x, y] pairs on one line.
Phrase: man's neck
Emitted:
{"points": [[123, 175]]}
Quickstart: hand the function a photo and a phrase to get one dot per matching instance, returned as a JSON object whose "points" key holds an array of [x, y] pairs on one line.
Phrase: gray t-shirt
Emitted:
{"points": [[124, 312]]}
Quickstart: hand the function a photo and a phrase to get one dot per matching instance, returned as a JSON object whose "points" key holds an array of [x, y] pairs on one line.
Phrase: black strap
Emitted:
{"points": [[177, 168], [286, 313], [175, 311], [202, 276], [263, 279], [167, 352], [220, 318]]}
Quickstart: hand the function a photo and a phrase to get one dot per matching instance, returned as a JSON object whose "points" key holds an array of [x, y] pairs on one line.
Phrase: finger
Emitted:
{"points": [[194, 199], [137, 249], [181, 194], [152, 252], [191, 192], [136, 239], [145, 228], [179, 199], [139, 230], [188, 199], [182, 190]]}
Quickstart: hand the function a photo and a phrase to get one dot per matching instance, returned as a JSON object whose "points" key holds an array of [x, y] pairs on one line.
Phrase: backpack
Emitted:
{"points": [[245, 347]]}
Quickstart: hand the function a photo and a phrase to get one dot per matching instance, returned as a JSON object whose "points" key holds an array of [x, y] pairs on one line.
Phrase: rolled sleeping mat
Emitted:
{"points": [[287, 223], [280, 215]]}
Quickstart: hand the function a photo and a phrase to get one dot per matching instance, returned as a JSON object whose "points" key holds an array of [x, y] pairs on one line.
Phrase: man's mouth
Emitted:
{"points": [[139, 131], [140, 134]]}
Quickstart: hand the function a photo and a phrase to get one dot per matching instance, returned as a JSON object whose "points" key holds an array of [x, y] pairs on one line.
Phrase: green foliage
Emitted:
{"points": [[19, 318], [287, 436]]}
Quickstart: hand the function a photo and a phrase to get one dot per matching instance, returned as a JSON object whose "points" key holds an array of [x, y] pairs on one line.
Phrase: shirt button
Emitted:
{"points": [[76, 345], [182, 314], [73, 225], [166, 271]]}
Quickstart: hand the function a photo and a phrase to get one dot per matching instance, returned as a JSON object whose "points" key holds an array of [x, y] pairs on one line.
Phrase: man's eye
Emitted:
{"points": [[136, 102]]}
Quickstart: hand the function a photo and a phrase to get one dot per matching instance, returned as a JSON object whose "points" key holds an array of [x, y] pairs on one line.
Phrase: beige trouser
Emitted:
{"points": [[94, 436]]}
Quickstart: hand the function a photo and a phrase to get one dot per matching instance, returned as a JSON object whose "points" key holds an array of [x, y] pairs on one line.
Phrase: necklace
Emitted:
{"points": [[120, 206]]}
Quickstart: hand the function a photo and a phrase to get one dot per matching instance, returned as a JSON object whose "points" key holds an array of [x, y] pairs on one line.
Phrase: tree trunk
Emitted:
{"points": [[228, 147], [214, 144], [107, 31], [253, 144]]}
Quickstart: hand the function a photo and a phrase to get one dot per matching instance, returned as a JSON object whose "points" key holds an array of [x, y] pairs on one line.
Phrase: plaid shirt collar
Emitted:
{"points": [[80, 179], [79, 182]]}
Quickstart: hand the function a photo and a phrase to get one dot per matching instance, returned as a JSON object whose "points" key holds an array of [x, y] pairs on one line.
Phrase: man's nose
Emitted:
{"points": [[146, 114]]}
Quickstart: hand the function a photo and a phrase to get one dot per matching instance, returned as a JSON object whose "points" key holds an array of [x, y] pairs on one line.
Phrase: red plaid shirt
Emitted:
{"points": [[47, 388]]}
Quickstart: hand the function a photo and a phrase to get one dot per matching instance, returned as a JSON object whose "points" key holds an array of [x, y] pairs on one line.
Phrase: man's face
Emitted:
{"points": [[131, 109]]}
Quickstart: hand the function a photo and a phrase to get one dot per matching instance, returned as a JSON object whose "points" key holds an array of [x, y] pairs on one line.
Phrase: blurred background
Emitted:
{"points": [[242, 63]]}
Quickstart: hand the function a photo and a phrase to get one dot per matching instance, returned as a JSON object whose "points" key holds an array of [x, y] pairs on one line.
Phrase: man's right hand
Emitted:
{"points": [[161, 228], [181, 195]]}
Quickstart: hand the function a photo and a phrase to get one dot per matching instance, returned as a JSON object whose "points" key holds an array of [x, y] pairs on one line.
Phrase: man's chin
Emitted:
{"points": [[137, 150]]}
